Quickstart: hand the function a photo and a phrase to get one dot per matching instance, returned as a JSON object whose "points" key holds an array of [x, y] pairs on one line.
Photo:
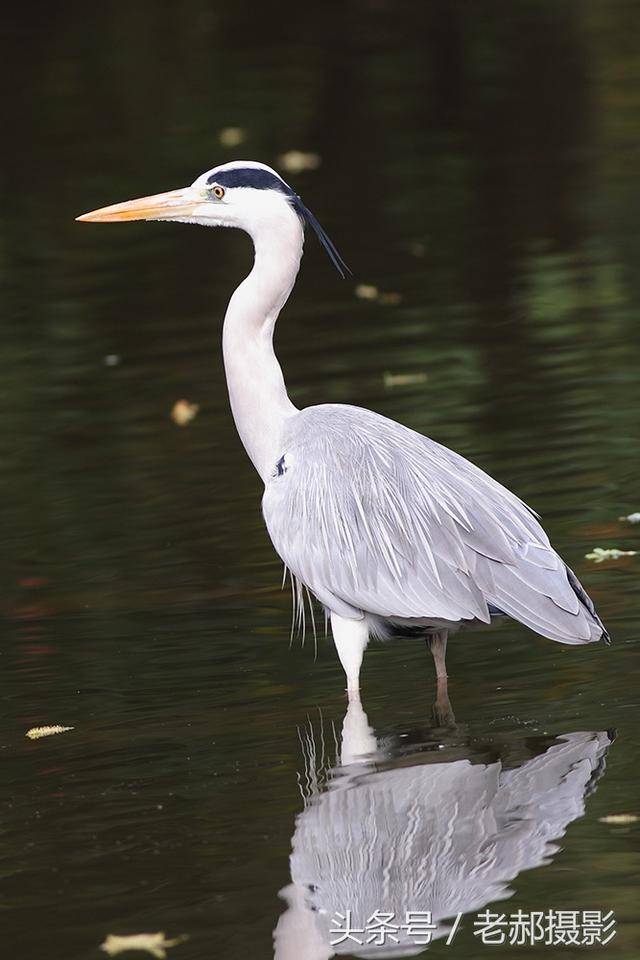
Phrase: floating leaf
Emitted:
{"points": [[632, 518], [295, 161], [232, 136], [403, 379], [599, 554], [154, 943], [620, 819], [390, 299], [36, 732], [366, 291], [183, 412]]}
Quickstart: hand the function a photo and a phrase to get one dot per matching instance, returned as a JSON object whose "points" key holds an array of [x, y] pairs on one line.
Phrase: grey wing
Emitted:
{"points": [[373, 517]]}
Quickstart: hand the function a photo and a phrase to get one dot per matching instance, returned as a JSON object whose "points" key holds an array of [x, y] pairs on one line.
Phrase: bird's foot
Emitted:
{"points": [[441, 709]]}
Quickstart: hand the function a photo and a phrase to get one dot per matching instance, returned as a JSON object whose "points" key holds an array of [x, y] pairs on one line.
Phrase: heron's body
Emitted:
{"points": [[386, 527], [382, 523]]}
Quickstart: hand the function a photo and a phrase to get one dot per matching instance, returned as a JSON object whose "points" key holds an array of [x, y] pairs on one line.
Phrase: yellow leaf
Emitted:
{"points": [[600, 554], [154, 943], [403, 379], [232, 136], [36, 732], [366, 291], [295, 161], [620, 819], [390, 299], [183, 412]]}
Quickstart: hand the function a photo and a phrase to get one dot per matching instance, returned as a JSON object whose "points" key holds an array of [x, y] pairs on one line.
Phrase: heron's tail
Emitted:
{"points": [[587, 602], [540, 591]]}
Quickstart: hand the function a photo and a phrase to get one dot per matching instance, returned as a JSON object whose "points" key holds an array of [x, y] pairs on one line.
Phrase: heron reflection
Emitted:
{"points": [[391, 831]]}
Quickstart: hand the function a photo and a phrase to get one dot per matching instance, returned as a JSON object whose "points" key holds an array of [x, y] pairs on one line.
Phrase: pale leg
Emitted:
{"points": [[351, 638]]}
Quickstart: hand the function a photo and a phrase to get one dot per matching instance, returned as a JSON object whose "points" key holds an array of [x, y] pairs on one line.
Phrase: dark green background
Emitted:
{"points": [[479, 158]]}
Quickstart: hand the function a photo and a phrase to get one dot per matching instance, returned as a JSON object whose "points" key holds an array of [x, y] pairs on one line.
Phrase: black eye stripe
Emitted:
{"points": [[250, 177]]}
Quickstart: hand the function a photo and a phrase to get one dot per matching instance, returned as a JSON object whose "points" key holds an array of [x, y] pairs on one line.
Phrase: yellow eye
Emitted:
{"points": [[218, 192]]}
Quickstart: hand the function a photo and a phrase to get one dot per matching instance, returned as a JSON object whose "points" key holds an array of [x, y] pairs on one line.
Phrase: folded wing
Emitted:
{"points": [[373, 517]]}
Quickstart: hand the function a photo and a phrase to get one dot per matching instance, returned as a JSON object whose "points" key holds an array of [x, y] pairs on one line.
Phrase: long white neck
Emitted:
{"points": [[258, 396]]}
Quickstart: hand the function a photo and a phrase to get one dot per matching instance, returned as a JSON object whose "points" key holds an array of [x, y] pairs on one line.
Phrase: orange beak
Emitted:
{"points": [[173, 205]]}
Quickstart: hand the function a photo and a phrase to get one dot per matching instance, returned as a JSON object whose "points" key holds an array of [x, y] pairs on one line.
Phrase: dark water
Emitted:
{"points": [[480, 160]]}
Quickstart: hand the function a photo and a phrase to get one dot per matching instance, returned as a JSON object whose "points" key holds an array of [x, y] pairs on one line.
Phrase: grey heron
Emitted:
{"points": [[390, 531]]}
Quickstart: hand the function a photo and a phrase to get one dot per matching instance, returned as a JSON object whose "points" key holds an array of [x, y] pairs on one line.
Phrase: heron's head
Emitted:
{"points": [[243, 194]]}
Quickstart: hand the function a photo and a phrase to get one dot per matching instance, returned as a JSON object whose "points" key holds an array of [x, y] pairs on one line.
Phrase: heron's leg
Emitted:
{"points": [[437, 643], [351, 638], [442, 710]]}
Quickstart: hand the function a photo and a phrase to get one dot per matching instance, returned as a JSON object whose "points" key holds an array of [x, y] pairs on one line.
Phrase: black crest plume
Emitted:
{"points": [[260, 179], [305, 214]]}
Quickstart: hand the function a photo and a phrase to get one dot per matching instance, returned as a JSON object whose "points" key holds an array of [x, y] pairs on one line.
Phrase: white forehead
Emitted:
{"points": [[243, 164]]}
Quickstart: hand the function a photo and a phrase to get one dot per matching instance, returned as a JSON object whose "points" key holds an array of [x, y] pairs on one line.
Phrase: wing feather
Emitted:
{"points": [[375, 518]]}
